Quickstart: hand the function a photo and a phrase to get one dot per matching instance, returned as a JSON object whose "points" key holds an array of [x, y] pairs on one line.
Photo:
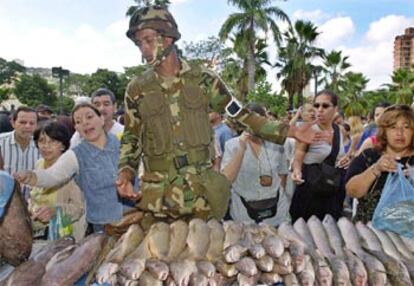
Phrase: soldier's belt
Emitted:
{"points": [[166, 163]]}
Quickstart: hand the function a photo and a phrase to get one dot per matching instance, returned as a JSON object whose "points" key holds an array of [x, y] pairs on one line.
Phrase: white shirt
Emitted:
{"points": [[117, 129]]}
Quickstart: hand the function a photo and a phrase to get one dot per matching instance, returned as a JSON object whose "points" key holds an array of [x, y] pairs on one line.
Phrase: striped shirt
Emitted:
{"points": [[15, 159]]}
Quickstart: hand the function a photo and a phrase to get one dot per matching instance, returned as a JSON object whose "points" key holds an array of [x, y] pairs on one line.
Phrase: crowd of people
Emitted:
{"points": [[179, 154]]}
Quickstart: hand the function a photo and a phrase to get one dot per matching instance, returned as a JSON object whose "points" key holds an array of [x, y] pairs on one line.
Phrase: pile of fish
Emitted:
{"points": [[230, 253], [60, 263]]}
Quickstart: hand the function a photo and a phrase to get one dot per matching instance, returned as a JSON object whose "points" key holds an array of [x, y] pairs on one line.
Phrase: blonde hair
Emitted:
{"points": [[355, 123]]}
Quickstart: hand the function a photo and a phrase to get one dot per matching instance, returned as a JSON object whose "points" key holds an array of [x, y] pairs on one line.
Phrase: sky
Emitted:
{"points": [[84, 35]]}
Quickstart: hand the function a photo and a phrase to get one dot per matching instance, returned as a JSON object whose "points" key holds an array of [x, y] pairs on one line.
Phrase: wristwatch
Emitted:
{"points": [[233, 108]]}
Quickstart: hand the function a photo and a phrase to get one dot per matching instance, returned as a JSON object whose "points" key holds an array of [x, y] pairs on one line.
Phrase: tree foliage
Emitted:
{"points": [[105, 78], [145, 3], [9, 70], [33, 90]]}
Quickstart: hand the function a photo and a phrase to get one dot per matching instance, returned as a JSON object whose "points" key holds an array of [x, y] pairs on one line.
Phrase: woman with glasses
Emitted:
{"points": [[307, 199], [368, 172], [52, 140]]}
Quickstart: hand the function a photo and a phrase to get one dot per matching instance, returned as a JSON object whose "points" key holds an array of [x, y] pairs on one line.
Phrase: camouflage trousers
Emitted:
{"points": [[191, 193]]}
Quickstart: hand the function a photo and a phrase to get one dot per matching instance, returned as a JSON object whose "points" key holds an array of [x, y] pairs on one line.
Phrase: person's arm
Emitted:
{"points": [[56, 175], [131, 145], [365, 145], [300, 152], [360, 177], [232, 159], [283, 168], [220, 99]]}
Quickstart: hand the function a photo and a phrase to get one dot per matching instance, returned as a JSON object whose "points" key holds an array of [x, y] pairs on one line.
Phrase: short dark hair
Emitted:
{"points": [[82, 105], [331, 94], [56, 131], [101, 92], [23, 108]]}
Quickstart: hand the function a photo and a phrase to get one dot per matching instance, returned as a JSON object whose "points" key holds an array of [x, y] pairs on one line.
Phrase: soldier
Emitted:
{"points": [[167, 125]]}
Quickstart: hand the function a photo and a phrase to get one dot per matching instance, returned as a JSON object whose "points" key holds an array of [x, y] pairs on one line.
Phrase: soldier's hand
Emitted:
{"points": [[125, 188]]}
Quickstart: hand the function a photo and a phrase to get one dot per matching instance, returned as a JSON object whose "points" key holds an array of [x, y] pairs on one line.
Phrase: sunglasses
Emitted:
{"points": [[324, 105]]}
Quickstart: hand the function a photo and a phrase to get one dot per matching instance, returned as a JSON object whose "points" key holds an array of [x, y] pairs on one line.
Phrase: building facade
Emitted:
{"points": [[404, 50]]}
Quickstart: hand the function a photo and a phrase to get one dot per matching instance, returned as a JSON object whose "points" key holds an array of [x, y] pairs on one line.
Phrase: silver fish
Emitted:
{"points": [[157, 268], [233, 231], [246, 266], [178, 238], [273, 245], [265, 263], [244, 280], [198, 239], [334, 236], [369, 238], [234, 253], [359, 275], [198, 279], [216, 245], [291, 280], [159, 240], [206, 268], [400, 245], [270, 278], [307, 276], [106, 272], [128, 242], [147, 279], [227, 270], [386, 243], [182, 270], [133, 268]]}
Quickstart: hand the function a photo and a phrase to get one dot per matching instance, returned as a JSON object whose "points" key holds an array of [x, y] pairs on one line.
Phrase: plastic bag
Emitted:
{"points": [[59, 226], [395, 210]]}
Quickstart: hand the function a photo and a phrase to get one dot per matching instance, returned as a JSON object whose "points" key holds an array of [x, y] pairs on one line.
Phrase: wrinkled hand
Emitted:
{"points": [[43, 214], [25, 177], [125, 188], [344, 162], [244, 138], [297, 177], [387, 163]]}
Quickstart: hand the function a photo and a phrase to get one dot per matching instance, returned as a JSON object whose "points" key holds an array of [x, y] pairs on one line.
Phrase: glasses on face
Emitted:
{"points": [[49, 143], [324, 105]]}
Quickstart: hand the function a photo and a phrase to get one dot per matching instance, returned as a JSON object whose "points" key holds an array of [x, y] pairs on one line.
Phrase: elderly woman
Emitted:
{"points": [[308, 198], [368, 172], [52, 140], [94, 165]]}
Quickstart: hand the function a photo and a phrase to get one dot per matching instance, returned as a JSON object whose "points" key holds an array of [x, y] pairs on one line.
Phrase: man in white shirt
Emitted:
{"points": [[104, 100], [17, 147]]}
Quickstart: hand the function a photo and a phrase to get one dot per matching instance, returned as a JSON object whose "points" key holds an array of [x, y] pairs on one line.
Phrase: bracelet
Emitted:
{"points": [[375, 171]]}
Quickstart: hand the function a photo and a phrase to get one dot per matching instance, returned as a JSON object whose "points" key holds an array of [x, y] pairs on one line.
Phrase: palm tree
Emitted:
{"points": [[334, 67], [254, 16], [351, 93], [145, 3], [402, 87], [295, 57]]}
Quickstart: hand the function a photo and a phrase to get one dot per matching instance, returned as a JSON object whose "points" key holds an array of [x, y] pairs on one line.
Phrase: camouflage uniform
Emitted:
{"points": [[167, 126]]}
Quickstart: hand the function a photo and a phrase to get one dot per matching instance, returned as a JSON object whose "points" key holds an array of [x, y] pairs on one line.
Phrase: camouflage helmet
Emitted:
{"points": [[156, 18]]}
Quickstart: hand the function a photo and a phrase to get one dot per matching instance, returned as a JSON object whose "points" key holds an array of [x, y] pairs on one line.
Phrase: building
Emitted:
{"points": [[404, 50]]}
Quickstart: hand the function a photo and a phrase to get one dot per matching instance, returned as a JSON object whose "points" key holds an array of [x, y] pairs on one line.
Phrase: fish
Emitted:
{"points": [[307, 276], [178, 237], [409, 242], [340, 270], [369, 238], [198, 239], [157, 268], [129, 218], [396, 270], [28, 273], [296, 245], [234, 253], [47, 252], [128, 242], [216, 245], [15, 227], [283, 264], [60, 256], [147, 279], [227, 270], [233, 232], [319, 236], [386, 242], [334, 236], [122, 280], [273, 245], [291, 280], [257, 250], [206, 268], [106, 272], [198, 279], [159, 240], [79, 262], [133, 268], [400, 245], [246, 266], [270, 278], [265, 263], [255, 232], [181, 271], [357, 271], [302, 229], [244, 280]]}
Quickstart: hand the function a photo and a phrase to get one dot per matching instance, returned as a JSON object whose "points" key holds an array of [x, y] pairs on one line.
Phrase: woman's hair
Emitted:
{"points": [[82, 105], [389, 118], [355, 123], [331, 94], [56, 131]]}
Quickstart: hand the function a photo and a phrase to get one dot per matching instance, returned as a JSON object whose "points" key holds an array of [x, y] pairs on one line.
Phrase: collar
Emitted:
{"points": [[110, 146], [14, 142]]}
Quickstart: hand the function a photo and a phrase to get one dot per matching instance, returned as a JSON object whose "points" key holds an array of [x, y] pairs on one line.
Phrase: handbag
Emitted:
{"points": [[260, 210], [323, 178]]}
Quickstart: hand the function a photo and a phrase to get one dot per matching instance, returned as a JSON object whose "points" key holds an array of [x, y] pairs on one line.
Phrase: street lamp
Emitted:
{"points": [[59, 72]]}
